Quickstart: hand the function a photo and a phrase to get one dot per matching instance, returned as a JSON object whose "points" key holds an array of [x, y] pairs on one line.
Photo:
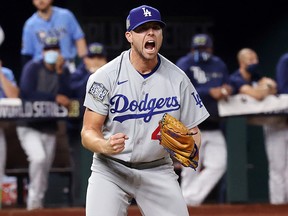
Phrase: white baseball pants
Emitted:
{"points": [[276, 144], [2, 155], [40, 150], [196, 185]]}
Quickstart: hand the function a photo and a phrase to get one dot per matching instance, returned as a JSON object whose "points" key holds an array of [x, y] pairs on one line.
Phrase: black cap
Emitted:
{"points": [[201, 40], [96, 49], [51, 43]]}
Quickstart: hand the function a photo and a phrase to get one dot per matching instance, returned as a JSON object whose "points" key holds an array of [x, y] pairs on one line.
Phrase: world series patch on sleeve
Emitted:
{"points": [[98, 91], [176, 138]]}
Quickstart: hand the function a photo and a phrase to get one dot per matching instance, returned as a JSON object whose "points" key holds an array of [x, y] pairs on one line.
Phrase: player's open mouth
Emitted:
{"points": [[150, 45]]}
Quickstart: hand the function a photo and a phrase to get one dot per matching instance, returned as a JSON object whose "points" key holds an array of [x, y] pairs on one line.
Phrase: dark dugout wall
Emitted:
{"points": [[233, 24]]}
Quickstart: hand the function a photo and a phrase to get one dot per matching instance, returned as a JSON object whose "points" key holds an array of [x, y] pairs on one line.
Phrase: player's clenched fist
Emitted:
{"points": [[115, 144]]}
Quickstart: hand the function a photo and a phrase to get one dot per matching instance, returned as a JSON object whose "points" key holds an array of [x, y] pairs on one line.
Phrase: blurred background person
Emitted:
{"points": [[8, 89], [54, 21], [95, 58], [276, 143], [248, 79], [2, 35], [209, 75], [42, 80]]}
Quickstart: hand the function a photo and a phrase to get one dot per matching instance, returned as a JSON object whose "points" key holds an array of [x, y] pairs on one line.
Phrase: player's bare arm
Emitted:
{"points": [[81, 47], [257, 92], [197, 136], [221, 92], [11, 91], [63, 100], [92, 137]]}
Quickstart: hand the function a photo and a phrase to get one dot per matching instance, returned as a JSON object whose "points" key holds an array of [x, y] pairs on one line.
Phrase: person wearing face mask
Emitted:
{"points": [[209, 75], [47, 79], [95, 58], [8, 89], [247, 79], [50, 20]]}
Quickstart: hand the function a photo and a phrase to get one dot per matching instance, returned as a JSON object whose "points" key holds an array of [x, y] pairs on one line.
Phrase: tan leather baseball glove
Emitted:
{"points": [[178, 141]]}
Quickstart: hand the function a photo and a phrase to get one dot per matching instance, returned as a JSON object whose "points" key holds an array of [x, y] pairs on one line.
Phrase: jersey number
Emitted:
{"points": [[156, 134]]}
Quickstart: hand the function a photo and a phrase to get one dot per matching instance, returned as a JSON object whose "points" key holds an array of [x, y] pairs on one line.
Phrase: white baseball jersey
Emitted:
{"points": [[134, 104]]}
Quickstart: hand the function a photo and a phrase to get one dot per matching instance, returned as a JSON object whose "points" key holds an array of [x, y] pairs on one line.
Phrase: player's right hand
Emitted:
{"points": [[59, 64], [62, 100], [115, 144]]}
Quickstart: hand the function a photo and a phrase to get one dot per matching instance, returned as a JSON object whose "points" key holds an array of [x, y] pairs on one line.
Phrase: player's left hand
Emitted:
{"points": [[269, 84], [221, 92], [59, 64]]}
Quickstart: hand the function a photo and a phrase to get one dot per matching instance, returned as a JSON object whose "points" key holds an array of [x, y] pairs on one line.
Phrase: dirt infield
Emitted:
{"points": [[204, 210]]}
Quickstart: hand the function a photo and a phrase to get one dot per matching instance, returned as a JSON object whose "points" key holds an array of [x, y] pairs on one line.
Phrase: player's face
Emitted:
{"points": [[42, 5], [93, 63], [250, 58], [146, 40]]}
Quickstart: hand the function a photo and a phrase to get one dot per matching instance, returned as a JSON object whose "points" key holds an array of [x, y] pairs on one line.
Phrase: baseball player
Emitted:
{"points": [[125, 99], [8, 89], [95, 58], [209, 75], [248, 79], [43, 80], [52, 21], [2, 35], [276, 143]]}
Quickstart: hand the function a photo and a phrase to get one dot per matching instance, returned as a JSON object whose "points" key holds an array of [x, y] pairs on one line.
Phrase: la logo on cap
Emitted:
{"points": [[146, 12]]}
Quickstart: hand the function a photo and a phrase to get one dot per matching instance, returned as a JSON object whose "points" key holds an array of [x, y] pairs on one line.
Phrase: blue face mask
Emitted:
{"points": [[253, 69], [50, 56], [201, 56]]}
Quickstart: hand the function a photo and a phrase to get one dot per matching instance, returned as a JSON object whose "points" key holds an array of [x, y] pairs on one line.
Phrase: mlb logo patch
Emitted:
{"points": [[98, 91]]}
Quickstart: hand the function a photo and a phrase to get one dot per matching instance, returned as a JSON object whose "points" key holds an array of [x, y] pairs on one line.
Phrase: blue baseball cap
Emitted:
{"points": [[96, 49], [201, 40], [141, 15]]}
